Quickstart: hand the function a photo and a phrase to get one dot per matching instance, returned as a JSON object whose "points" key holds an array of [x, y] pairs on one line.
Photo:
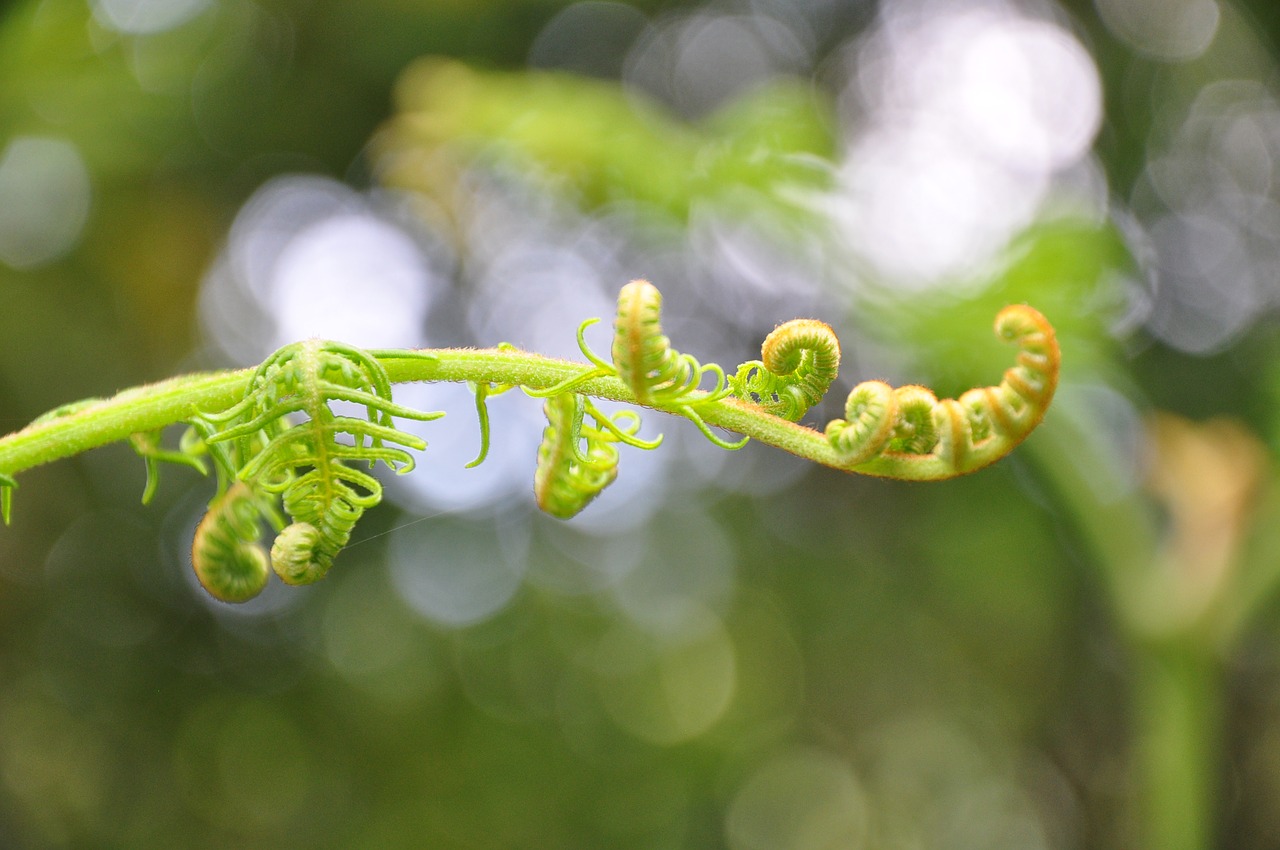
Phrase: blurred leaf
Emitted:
{"points": [[605, 144]]}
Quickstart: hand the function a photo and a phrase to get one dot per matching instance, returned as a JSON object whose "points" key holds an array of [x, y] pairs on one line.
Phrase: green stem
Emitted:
{"points": [[136, 410], [1174, 698], [1177, 729], [154, 406]]}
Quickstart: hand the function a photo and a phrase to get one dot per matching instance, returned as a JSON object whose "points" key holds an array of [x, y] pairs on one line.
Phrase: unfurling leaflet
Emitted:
{"points": [[908, 433], [643, 355], [870, 418], [306, 463], [798, 361], [293, 554], [228, 560], [656, 372], [569, 477]]}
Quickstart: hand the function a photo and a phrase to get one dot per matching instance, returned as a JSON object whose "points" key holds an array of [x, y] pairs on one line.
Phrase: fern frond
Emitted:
{"points": [[658, 374], [309, 463], [291, 437], [225, 554], [798, 362], [909, 433]]}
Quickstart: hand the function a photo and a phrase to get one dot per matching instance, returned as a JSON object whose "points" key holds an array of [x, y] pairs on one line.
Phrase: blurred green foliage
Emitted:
{"points": [[603, 144]]}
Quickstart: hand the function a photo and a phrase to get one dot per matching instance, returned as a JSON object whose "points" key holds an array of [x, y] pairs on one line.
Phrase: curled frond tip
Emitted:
{"points": [[798, 361], [908, 433]]}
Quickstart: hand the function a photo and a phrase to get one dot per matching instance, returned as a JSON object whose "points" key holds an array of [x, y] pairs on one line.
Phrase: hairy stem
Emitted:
{"points": [[132, 411], [155, 406]]}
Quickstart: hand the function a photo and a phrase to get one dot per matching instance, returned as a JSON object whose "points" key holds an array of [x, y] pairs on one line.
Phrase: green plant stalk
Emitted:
{"points": [[1177, 729], [155, 406], [1175, 714], [137, 410]]}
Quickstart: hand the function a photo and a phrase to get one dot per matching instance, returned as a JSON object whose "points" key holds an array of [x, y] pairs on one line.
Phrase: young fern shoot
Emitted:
{"points": [[568, 478], [659, 375], [799, 360], [909, 433], [306, 464], [284, 458]]}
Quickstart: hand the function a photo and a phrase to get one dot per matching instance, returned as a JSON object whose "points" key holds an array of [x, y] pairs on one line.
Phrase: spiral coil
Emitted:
{"points": [[798, 361], [895, 430], [644, 357], [228, 560], [305, 464], [570, 476]]}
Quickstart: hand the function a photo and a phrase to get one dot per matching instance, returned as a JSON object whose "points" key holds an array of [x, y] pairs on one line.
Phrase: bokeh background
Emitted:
{"points": [[1076, 648]]}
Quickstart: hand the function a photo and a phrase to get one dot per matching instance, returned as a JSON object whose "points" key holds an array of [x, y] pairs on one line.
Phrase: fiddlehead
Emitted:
{"points": [[228, 560], [871, 413], [798, 361], [306, 463], [643, 355], [569, 477], [908, 433], [656, 372]]}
